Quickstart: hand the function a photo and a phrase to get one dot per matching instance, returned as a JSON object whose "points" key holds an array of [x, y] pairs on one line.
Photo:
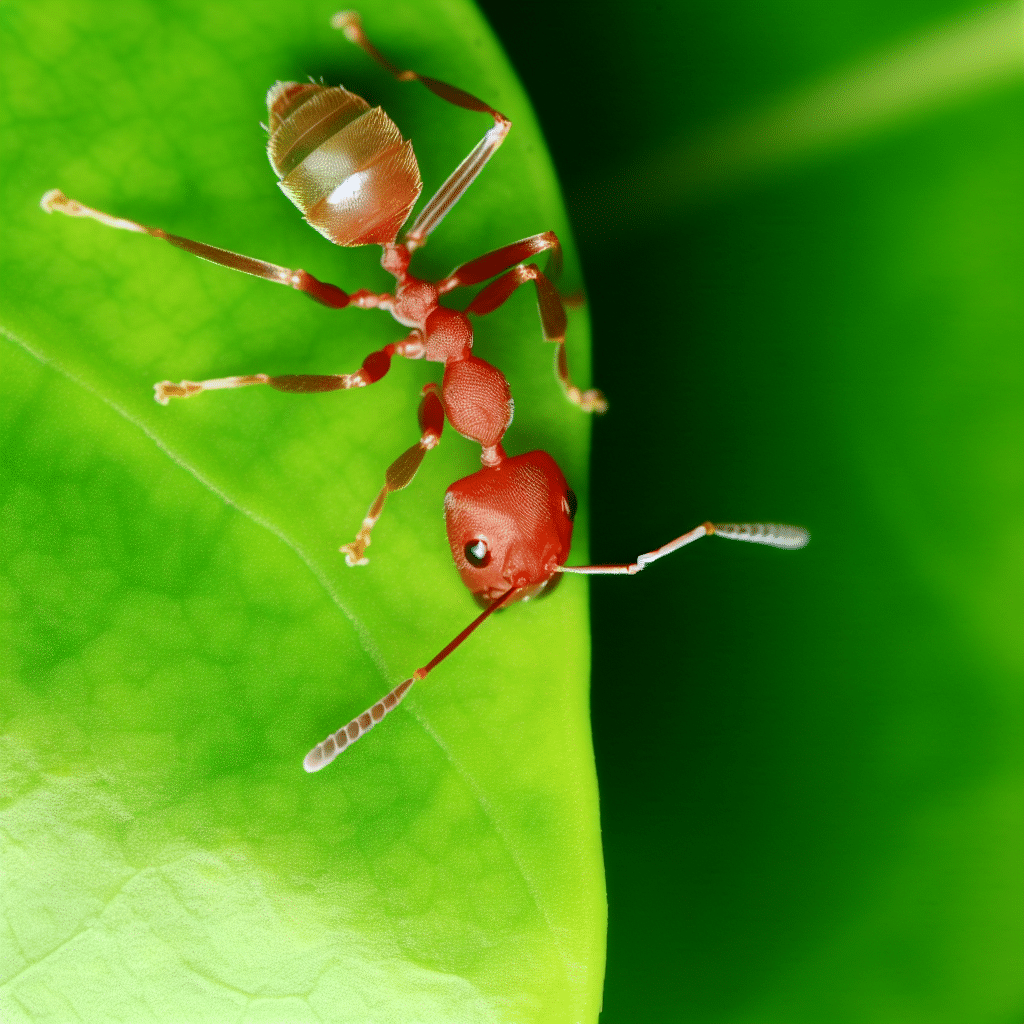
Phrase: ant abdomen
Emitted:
{"points": [[344, 164]]}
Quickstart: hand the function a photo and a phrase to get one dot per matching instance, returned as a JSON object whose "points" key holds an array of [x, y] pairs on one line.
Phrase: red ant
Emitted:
{"points": [[355, 179]]}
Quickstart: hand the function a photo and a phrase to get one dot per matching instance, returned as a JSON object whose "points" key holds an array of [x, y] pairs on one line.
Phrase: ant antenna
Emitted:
{"points": [[326, 751], [775, 535]]}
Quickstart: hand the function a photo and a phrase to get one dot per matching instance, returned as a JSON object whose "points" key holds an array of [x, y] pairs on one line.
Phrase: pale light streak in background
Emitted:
{"points": [[951, 62]]}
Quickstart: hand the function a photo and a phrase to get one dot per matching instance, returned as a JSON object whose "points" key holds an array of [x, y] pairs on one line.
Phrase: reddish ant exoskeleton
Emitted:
{"points": [[346, 166]]}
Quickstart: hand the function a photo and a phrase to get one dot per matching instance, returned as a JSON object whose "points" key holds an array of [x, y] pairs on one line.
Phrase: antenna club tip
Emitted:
{"points": [[775, 535], [324, 753], [801, 537]]}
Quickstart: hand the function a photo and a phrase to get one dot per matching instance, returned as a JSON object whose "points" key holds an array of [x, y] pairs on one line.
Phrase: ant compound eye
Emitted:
{"points": [[570, 504], [478, 554]]}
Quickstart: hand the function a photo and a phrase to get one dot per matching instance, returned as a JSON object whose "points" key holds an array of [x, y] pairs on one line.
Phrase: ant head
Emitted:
{"points": [[315, 134], [510, 525]]}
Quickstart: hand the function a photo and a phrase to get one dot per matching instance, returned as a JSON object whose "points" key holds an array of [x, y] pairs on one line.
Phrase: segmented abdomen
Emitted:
{"points": [[341, 162]]}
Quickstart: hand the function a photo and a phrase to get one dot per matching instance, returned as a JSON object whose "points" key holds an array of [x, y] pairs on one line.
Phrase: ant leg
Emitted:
{"points": [[326, 294], [553, 322], [493, 263], [552, 311], [375, 365], [464, 175], [400, 473]]}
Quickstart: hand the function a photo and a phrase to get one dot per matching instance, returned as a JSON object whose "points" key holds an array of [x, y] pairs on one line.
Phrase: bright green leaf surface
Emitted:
{"points": [[178, 625]]}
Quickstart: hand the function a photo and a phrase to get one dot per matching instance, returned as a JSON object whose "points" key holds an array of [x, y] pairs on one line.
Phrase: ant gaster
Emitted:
{"points": [[346, 166]]}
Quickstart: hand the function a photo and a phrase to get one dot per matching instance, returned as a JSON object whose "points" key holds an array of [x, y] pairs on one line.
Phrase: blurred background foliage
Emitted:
{"points": [[800, 228]]}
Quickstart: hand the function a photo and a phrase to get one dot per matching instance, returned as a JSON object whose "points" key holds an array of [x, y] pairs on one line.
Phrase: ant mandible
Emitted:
{"points": [[355, 179]]}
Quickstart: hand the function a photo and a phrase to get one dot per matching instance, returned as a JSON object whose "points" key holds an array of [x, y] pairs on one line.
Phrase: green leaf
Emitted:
{"points": [[179, 627]]}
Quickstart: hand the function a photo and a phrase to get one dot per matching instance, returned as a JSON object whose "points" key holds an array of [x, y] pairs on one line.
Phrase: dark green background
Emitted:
{"points": [[810, 764]]}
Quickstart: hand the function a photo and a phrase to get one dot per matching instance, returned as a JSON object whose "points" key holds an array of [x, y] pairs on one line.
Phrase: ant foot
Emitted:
{"points": [[589, 401], [166, 390], [354, 552]]}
